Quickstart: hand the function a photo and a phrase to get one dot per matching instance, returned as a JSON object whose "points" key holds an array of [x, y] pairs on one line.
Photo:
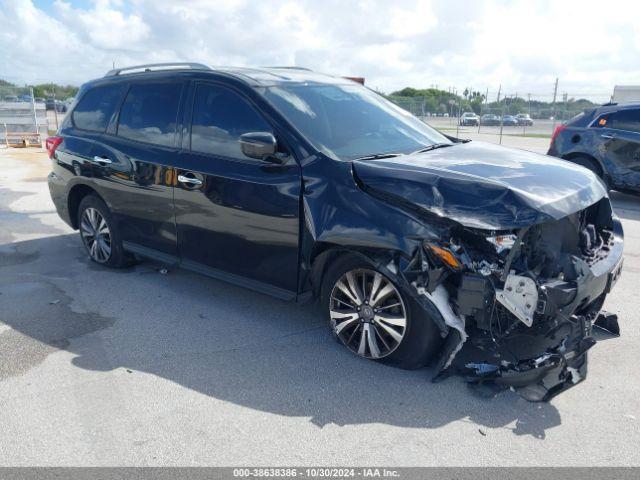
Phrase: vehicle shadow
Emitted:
{"points": [[222, 341]]}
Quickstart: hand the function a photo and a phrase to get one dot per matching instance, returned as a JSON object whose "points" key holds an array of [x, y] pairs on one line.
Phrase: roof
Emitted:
{"points": [[268, 76], [256, 76], [612, 107]]}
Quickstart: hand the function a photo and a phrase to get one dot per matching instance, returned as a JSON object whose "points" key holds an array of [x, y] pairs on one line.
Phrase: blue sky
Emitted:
{"points": [[521, 45]]}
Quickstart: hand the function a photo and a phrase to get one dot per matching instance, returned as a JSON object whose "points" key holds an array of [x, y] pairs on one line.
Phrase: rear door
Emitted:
{"points": [[134, 166], [237, 217], [87, 123], [620, 134]]}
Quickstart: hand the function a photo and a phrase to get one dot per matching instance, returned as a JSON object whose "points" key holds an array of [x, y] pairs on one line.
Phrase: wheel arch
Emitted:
{"points": [[573, 155], [325, 253], [75, 196]]}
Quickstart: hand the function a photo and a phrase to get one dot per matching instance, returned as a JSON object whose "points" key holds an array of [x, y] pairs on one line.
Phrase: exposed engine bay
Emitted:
{"points": [[510, 254], [519, 305]]}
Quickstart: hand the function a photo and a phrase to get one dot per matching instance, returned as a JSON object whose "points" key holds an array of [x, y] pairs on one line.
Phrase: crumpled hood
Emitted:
{"points": [[484, 186]]}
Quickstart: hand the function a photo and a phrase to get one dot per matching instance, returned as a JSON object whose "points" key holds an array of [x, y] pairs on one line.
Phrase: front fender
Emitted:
{"points": [[338, 214]]}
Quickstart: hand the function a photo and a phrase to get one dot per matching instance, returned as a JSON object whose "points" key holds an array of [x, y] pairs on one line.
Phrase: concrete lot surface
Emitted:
{"points": [[136, 367]]}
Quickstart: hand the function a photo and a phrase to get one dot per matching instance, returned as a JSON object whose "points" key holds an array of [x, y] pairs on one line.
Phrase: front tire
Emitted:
{"points": [[375, 318], [99, 233]]}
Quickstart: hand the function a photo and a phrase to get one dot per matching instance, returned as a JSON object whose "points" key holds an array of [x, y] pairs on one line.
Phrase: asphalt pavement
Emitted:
{"points": [[144, 366]]}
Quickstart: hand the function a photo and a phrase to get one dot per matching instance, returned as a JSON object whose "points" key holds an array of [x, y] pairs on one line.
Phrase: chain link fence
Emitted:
{"points": [[23, 119], [26, 119], [495, 113]]}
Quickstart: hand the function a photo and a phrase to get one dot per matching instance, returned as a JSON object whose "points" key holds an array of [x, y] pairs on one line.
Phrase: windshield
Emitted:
{"points": [[350, 121]]}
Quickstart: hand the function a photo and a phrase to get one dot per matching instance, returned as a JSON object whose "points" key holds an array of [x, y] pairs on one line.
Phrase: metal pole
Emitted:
{"points": [[6, 135], [501, 122], [35, 115], [553, 108], [458, 121], [486, 98], [55, 109]]}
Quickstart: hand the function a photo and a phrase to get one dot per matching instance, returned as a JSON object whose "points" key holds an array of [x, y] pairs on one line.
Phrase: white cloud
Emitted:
{"points": [[104, 27], [521, 44]]}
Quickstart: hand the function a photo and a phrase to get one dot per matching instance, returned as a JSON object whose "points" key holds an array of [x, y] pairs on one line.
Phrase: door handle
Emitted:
{"points": [[607, 136], [189, 180], [101, 160]]}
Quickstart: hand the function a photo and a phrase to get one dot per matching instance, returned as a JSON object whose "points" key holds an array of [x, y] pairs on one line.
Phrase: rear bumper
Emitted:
{"points": [[58, 190]]}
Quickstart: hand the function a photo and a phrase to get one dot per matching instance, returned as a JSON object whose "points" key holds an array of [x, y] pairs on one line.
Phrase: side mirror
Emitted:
{"points": [[259, 145]]}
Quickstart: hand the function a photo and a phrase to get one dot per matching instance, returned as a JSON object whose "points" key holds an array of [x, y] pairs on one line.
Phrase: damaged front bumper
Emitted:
{"points": [[507, 326]]}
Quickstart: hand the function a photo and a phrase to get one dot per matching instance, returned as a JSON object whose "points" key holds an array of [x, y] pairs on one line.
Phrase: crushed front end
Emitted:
{"points": [[519, 305]]}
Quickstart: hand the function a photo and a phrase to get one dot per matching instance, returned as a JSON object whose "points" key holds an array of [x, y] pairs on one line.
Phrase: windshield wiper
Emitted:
{"points": [[433, 147], [377, 156]]}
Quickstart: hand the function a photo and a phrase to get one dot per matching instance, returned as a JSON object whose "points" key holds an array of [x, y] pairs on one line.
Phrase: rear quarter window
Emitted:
{"points": [[97, 107], [149, 113], [582, 119]]}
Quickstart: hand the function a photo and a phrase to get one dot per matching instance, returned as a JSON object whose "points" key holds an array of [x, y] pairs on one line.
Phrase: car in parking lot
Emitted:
{"points": [[469, 119], [606, 140], [509, 121], [489, 119], [524, 119], [302, 185], [11, 98], [58, 105]]}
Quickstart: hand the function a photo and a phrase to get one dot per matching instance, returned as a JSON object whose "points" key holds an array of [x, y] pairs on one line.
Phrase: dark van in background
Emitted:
{"points": [[606, 140]]}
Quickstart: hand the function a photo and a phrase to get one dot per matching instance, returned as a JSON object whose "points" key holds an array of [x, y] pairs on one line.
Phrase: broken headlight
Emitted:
{"points": [[502, 242], [444, 255]]}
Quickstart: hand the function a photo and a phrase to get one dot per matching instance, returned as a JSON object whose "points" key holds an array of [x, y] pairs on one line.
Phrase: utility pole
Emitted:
{"points": [[553, 107], [529, 101], [499, 89], [564, 100]]}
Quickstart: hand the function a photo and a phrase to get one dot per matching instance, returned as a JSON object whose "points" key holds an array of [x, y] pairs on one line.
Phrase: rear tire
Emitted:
{"points": [[99, 233], [588, 163], [403, 335]]}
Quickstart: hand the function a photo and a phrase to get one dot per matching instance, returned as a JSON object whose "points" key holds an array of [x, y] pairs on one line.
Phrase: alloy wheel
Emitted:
{"points": [[367, 313], [96, 235]]}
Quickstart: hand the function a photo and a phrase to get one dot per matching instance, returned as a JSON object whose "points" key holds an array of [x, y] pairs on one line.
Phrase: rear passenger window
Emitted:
{"points": [[219, 118], [628, 120], [96, 107], [149, 113]]}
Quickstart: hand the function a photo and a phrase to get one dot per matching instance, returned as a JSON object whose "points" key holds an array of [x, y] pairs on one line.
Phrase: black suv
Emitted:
{"points": [[606, 140], [303, 185]]}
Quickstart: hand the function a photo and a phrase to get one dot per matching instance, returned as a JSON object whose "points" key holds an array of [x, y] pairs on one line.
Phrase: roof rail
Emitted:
{"points": [[292, 68], [157, 66]]}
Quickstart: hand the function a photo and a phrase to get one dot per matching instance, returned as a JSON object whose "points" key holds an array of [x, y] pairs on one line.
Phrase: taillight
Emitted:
{"points": [[557, 131], [52, 143]]}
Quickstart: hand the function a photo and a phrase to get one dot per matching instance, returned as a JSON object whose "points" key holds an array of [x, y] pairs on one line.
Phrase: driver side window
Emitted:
{"points": [[220, 116]]}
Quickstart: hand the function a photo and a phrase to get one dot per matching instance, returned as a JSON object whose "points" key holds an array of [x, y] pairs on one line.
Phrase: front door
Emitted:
{"points": [[237, 217]]}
